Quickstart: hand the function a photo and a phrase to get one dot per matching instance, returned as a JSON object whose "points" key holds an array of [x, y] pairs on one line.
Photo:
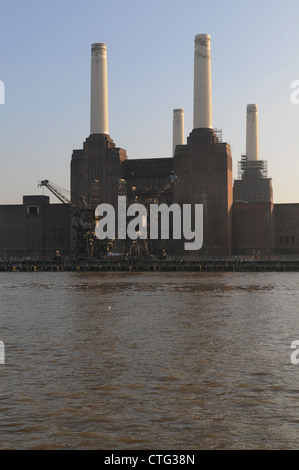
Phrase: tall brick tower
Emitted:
{"points": [[253, 184], [95, 169], [204, 165], [253, 209]]}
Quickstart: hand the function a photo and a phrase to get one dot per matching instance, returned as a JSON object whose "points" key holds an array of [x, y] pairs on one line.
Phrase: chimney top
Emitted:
{"points": [[100, 45], [252, 107]]}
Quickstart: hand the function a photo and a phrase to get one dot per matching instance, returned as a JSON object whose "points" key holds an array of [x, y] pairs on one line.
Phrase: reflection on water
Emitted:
{"points": [[143, 360]]}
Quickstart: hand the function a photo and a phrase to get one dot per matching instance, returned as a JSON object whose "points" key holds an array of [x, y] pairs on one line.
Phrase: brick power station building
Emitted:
{"points": [[239, 217]]}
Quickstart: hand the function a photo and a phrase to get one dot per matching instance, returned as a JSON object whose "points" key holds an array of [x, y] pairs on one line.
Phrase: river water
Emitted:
{"points": [[149, 361]]}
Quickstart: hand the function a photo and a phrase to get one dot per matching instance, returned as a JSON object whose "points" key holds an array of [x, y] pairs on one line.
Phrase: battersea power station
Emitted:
{"points": [[239, 216]]}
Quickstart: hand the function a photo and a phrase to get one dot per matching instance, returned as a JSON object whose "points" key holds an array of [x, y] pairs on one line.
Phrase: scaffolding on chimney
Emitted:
{"points": [[218, 133], [253, 184], [259, 166]]}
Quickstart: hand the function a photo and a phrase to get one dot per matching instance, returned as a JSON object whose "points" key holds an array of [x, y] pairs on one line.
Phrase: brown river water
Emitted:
{"points": [[149, 361]]}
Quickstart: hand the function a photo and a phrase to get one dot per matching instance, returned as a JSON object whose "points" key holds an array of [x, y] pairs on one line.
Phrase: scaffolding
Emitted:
{"points": [[218, 133], [258, 166], [141, 247], [253, 184]]}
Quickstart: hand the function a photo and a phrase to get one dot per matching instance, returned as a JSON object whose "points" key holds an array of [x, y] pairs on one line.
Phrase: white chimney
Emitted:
{"points": [[202, 113], [178, 128], [99, 123], [252, 139]]}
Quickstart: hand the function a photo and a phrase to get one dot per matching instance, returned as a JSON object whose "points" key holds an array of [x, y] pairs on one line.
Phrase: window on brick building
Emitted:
{"points": [[32, 210]]}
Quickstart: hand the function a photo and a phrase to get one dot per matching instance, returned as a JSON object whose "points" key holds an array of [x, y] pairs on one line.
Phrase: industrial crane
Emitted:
{"points": [[141, 247], [87, 245]]}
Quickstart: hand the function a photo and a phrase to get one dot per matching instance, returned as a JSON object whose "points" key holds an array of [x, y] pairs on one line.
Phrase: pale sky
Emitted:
{"points": [[45, 66]]}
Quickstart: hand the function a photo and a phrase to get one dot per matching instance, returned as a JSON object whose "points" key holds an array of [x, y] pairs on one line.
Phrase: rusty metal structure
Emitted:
{"points": [[86, 245]]}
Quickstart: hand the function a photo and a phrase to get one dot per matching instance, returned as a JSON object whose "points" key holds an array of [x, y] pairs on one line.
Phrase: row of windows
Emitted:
{"points": [[287, 239]]}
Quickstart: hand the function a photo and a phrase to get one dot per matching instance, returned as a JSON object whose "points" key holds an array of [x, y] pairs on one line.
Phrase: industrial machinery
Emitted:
{"points": [[86, 244], [142, 247]]}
